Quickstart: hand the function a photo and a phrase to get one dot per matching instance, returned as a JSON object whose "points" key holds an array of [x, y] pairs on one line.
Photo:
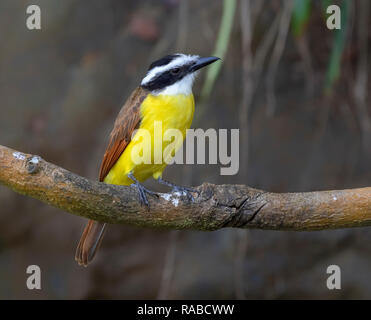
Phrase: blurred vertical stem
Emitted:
{"points": [[299, 21], [300, 16], [333, 71], [247, 82], [362, 77], [183, 18], [221, 46], [287, 7]]}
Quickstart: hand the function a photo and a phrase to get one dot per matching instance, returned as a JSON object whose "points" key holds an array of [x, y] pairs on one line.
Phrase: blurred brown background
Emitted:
{"points": [[308, 128]]}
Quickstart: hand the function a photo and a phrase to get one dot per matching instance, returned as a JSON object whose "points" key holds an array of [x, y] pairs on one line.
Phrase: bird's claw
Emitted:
{"points": [[142, 191]]}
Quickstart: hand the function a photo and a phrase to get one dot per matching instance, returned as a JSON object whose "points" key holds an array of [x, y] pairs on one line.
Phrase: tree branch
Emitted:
{"points": [[216, 206]]}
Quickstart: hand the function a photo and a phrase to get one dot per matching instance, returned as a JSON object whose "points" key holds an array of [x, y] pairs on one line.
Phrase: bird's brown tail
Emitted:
{"points": [[90, 241]]}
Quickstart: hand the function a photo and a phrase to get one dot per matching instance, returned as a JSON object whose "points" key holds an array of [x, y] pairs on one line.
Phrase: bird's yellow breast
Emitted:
{"points": [[165, 112]]}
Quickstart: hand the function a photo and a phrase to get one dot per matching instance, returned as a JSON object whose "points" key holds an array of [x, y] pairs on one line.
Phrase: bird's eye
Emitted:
{"points": [[175, 71]]}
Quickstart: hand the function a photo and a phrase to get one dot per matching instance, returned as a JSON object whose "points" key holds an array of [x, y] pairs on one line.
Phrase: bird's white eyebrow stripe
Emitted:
{"points": [[179, 61]]}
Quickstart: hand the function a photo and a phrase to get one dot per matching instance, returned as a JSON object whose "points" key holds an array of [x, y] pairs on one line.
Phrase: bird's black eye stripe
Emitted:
{"points": [[168, 77]]}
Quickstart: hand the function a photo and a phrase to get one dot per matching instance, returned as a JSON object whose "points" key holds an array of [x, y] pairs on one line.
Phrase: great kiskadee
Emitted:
{"points": [[165, 95]]}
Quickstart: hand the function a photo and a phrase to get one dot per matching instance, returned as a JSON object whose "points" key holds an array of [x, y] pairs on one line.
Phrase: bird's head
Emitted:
{"points": [[174, 74]]}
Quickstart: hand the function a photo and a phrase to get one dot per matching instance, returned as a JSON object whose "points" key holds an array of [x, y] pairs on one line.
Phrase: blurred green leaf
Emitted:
{"points": [[221, 46], [334, 66], [326, 3], [300, 16]]}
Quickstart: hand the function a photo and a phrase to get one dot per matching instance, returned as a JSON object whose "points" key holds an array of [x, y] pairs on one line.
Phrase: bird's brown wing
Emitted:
{"points": [[126, 122]]}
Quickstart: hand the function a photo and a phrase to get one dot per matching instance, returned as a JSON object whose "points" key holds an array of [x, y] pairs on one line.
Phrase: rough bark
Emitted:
{"points": [[215, 207]]}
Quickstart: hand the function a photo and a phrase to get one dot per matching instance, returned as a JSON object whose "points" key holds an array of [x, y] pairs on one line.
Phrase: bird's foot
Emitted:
{"points": [[142, 191], [187, 191]]}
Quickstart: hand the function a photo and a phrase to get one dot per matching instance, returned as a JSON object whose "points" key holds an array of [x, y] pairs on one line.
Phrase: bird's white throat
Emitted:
{"points": [[183, 86]]}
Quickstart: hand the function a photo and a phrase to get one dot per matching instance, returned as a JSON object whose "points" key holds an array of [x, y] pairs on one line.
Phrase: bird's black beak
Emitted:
{"points": [[202, 62]]}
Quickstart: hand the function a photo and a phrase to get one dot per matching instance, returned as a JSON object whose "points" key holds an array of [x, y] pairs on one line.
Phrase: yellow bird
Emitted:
{"points": [[164, 97]]}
